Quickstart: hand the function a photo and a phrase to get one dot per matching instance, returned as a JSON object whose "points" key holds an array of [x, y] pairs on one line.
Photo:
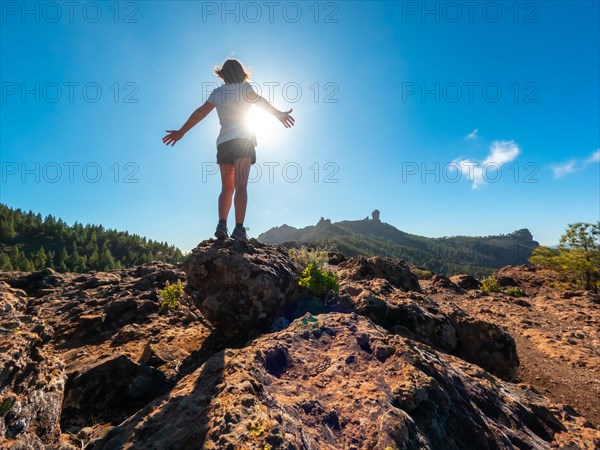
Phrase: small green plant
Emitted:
{"points": [[515, 292], [6, 406], [171, 295], [490, 284], [318, 281], [304, 256], [422, 274], [256, 429], [314, 276], [310, 322]]}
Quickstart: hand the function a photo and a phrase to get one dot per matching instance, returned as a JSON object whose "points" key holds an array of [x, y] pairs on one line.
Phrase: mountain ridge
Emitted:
{"points": [[476, 255]]}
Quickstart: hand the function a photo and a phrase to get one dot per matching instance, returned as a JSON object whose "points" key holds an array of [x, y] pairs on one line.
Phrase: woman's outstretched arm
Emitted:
{"points": [[283, 116], [195, 118]]}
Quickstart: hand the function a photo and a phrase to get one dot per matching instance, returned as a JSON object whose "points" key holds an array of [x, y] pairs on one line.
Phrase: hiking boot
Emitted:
{"points": [[239, 234], [221, 232]]}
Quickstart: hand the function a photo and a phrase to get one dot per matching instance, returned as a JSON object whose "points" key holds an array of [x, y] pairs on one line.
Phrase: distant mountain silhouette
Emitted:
{"points": [[476, 255]]}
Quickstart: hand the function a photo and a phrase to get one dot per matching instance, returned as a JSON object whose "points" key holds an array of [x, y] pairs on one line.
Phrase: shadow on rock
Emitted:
{"points": [[179, 416]]}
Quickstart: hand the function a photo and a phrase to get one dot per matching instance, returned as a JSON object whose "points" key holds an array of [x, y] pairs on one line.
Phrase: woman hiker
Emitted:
{"points": [[235, 143]]}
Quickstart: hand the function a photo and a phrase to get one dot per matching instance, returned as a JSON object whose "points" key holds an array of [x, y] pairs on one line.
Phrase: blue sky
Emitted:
{"points": [[458, 119]]}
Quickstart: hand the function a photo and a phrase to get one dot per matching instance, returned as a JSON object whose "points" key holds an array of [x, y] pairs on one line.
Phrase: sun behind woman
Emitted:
{"points": [[260, 122]]}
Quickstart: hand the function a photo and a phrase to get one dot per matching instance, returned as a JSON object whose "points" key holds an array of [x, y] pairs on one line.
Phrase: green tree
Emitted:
{"points": [[148, 256], [73, 259], [7, 228], [584, 236], [61, 228], [27, 265], [20, 260], [40, 259], [80, 264], [94, 260], [79, 232], [577, 258], [49, 225], [17, 258], [50, 259], [107, 262], [61, 261], [5, 263], [91, 247]]}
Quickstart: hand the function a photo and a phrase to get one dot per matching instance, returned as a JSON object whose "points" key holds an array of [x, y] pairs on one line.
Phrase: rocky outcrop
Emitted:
{"points": [[418, 317], [395, 271], [31, 380], [486, 345], [408, 313], [65, 368], [109, 391], [466, 282], [240, 288], [442, 282], [525, 277], [555, 333], [337, 381], [93, 360]]}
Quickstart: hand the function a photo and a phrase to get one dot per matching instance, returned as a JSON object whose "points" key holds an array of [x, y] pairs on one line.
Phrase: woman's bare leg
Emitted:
{"points": [[242, 171], [227, 189]]}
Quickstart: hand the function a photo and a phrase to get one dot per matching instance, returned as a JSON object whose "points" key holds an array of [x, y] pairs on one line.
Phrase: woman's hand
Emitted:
{"points": [[172, 137], [285, 118]]}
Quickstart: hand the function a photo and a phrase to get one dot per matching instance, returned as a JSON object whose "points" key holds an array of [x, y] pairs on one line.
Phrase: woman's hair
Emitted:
{"points": [[232, 71]]}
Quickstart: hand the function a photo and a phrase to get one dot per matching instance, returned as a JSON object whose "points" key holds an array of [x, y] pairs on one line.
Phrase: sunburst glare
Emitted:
{"points": [[266, 127]]}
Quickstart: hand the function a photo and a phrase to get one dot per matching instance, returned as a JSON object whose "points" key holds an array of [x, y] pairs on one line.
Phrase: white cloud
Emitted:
{"points": [[594, 158], [501, 152], [473, 134], [560, 170]]}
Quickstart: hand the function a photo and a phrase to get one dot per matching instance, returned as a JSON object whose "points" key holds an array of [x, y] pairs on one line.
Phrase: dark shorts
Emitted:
{"points": [[229, 151]]}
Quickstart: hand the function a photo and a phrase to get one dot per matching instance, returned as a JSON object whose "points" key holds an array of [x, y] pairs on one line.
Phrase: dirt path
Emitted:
{"points": [[559, 382], [557, 337]]}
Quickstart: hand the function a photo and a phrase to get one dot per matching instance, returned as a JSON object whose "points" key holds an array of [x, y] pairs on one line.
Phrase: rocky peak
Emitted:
{"points": [[323, 223], [523, 234]]}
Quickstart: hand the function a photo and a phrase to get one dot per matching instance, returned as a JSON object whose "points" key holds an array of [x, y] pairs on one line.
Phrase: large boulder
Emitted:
{"points": [[408, 313], [531, 280], [444, 283], [466, 282], [395, 271], [240, 287], [486, 345]]}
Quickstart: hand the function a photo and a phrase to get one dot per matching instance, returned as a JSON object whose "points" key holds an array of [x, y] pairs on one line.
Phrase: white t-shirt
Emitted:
{"points": [[233, 105]]}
